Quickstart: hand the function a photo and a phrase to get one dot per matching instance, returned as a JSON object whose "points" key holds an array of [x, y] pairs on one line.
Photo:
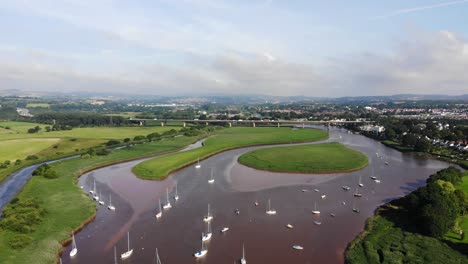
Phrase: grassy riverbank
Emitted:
{"points": [[317, 158], [161, 167], [392, 236], [67, 206]]}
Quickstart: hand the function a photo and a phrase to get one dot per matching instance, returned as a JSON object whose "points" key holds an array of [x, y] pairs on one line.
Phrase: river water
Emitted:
{"points": [[266, 239]]}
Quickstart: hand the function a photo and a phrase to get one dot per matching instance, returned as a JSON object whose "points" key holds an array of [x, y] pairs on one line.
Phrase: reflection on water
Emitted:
{"points": [[177, 234]]}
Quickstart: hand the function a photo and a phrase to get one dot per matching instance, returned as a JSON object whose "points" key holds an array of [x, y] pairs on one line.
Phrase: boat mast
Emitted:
{"points": [[243, 253], [128, 241], [115, 255]]}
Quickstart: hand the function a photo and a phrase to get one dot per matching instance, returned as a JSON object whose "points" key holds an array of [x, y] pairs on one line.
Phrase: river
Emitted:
{"points": [[266, 239]]}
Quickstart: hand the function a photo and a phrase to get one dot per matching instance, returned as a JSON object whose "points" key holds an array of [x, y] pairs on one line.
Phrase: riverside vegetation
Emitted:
{"points": [[426, 226]]}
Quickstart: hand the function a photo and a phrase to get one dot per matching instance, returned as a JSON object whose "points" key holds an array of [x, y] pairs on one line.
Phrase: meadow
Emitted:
{"points": [[225, 139], [19, 130], [316, 158]]}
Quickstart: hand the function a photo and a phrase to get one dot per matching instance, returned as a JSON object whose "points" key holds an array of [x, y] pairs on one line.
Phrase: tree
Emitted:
{"points": [[423, 145], [409, 140], [390, 133]]}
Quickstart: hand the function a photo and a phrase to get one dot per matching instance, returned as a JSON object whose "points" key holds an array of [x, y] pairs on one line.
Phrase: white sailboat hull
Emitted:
{"points": [[224, 230], [316, 212], [211, 181], [207, 237], [111, 207], [243, 261], [271, 212], [73, 252], [101, 202], [207, 218], [126, 254], [159, 215], [167, 206], [201, 253], [197, 167]]}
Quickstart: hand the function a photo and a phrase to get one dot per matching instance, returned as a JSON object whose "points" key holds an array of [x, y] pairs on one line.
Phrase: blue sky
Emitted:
{"points": [[174, 47]]}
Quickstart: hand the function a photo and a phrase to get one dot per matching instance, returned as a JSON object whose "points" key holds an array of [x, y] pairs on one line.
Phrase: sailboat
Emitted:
{"points": [[101, 202], [315, 211], [225, 229], [167, 205], [176, 196], [243, 260], [202, 252], [357, 194], [298, 247], [269, 211], [159, 214], [198, 164], [356, 207], [374, 178], [110, 206], [360, 182], [207, 236], [96, 196], [129, 252], [208, 217], [346, 187], [211, 180], [74, 249], [289, 226], [158, 260], [94, 188], [115, 255]]}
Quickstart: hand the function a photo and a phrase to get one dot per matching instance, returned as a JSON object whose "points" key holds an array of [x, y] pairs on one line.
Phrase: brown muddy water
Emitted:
{"points": [[177, 235]]}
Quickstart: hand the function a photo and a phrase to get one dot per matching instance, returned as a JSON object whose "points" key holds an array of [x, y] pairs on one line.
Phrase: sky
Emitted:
{"points": [[218, 47]]}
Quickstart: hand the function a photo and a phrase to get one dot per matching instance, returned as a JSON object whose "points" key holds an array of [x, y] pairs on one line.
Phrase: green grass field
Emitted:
{"points": [[21, 148], [159, 168], [19, 130], [42, 105], [68, 206], [316, 158]]}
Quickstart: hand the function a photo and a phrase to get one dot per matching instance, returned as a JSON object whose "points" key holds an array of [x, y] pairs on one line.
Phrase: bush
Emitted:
{"points": [[139, 138], [112, 142], [17, 162], [46, 171], [22, 215], [32, 157], [20, 241], [7, 162], [85, 156]]}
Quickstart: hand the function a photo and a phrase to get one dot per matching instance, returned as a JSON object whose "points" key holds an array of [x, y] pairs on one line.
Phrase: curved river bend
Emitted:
{"points": [[267, 240]]}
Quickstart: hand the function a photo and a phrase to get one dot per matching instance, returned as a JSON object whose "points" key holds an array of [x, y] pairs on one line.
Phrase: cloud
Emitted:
{"points": [[419, 8], [424, 63]]}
